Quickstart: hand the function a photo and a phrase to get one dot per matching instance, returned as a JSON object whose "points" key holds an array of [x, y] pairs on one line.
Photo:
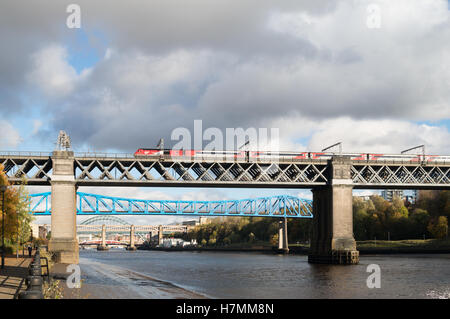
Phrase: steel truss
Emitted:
{"points": [[401, 175], [102, 170], [142, 171], [92, 204]]}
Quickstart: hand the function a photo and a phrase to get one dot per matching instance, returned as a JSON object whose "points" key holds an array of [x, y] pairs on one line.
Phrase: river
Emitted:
{"points": [[159, 274]]}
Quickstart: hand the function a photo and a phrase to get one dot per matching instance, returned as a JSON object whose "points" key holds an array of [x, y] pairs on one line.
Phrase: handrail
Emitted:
{"points": [[25, 153], [47, 274], [281, 158]]}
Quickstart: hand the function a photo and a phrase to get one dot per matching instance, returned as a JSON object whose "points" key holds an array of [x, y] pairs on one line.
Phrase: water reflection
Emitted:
{"points": [[256, 275]]}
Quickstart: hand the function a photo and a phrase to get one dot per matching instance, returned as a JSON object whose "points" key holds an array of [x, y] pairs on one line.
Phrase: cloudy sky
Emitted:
{"points": [[372, 74]]}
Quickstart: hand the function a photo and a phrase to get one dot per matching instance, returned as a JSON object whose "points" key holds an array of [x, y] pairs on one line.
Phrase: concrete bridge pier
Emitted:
{"points": [[131, 246], [103, 245], [332, 239], [160, 235], [282, 236], [64, 243]]}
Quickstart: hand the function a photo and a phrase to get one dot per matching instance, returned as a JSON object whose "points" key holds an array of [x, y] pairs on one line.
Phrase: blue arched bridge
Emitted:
{"points": [[93, 204]]}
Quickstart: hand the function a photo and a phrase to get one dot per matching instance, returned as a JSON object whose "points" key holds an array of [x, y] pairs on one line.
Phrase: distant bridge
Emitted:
{"points": [[112, 224], [92, 204], [118, 225]]}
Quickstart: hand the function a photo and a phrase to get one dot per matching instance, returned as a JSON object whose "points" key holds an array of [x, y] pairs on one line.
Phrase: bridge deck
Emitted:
{"points": [[126, 170]]}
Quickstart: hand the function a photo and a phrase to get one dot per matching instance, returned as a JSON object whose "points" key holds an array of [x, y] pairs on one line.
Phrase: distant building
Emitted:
{"points": [[389, 194], [190, 223], [201, 221], [413, 197], [34, 230], [43, 231], [171, 242], [363, 197]]}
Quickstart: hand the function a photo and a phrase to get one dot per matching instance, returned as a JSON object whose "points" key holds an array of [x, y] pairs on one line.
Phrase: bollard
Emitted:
{"points": [[35, 270], [34, 283]]}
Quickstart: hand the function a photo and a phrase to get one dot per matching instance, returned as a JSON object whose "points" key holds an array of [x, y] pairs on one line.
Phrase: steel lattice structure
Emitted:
{"points": [[116, 225], [104, 220], [401, 175], [125, 170], [92, 204]]}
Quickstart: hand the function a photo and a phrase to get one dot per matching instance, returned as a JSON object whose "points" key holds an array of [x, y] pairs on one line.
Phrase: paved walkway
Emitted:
{"points": [[12, 277]]}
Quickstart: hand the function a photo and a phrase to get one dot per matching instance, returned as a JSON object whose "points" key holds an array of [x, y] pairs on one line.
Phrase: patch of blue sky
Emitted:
{"points": [[85, 49], [27, 125], [439, 123], [304, 141]]}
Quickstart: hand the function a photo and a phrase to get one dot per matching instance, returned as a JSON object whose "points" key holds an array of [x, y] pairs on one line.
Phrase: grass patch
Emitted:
{"points": [[408, 243]]}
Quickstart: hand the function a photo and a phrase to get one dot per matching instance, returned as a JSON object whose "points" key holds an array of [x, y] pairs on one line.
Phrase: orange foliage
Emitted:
{"points": [[11, 198]]}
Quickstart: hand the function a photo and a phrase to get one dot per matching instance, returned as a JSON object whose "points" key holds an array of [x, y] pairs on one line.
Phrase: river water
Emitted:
{"points": [[158, 274]]}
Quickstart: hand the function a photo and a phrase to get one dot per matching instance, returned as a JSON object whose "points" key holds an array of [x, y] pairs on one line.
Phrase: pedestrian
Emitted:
{"points": [[30, 249]]}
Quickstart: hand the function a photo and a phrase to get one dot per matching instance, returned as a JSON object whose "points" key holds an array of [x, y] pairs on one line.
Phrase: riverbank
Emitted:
{"points": [[369, 247], [12, 277], [104, 281]]}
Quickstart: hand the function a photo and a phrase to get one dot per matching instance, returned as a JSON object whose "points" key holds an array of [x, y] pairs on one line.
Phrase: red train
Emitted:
{"points": [[248, 155]]}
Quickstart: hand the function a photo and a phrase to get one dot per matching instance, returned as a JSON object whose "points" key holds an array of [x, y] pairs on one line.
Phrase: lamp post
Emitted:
{"points": [[17, 237], [3, 190]]}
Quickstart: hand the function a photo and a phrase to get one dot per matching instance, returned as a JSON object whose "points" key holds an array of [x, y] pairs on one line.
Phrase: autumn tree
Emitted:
{"points": [[16, 211], [439, 227]]}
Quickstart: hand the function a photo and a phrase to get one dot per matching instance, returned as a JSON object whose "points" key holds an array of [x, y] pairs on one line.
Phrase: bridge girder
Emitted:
{"points": [[102, 206], [107, 170]]}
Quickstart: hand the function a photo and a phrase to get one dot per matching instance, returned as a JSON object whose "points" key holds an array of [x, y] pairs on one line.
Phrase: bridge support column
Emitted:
{"points": [[160, 235], [131, 246], [64, 243], [332, 239], [103, 245], [282, 236]]}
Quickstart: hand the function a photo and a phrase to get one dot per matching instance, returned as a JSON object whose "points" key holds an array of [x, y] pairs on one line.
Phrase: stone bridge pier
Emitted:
{"points": [[131, 246], [332, 239], [160, 235], [283, 236], [103, 245], [64, 242]]}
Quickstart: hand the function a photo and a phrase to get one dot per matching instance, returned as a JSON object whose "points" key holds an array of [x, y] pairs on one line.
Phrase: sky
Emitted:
{"points": [[374, 75]]}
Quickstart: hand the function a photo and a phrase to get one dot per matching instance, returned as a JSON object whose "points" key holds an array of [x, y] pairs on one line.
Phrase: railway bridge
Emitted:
{"points": [[331, 180]]}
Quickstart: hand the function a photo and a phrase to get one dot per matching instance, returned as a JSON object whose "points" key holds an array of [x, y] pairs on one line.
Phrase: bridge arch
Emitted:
{"points": [[104, 220]]}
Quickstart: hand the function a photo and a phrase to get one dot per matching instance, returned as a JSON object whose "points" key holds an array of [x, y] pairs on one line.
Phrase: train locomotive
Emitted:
{"points": [[267, 155]]}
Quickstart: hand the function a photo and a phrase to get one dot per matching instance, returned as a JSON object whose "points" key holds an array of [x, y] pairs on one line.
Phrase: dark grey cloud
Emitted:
{"points": [[231, 64]]}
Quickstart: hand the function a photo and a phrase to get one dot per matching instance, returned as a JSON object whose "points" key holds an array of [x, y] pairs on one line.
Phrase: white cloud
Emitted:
{"points": [[9, 136], [386, 136], [37, 124], [52, 73]]}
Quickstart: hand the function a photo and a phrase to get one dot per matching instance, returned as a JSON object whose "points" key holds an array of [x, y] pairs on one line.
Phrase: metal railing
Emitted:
{"points": [[34, 279], [208, 158], [25, 153]]}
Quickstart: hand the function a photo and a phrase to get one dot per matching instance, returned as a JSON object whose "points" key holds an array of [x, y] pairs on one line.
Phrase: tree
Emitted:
{"points": [[251, 237], [24, 216], [420, 219], [274, 240], [438, 228], [16, 206]]}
